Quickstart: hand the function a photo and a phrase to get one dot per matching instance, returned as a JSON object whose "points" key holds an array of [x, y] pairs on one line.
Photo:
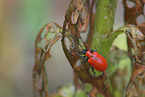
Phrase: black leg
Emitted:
{"points": [[81, 56], [85, 60], [93, 72], [95, 50], [103, 73], [92, 50]]}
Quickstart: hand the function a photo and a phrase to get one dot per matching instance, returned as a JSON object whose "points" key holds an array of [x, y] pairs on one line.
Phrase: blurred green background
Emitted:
{"points": [[20, 22]]}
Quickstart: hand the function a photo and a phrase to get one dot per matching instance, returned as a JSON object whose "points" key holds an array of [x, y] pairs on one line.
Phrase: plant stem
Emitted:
{"points": [[104, 20]]}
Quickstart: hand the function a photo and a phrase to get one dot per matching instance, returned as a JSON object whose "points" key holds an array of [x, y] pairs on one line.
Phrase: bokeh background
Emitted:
{"points": [[20, 22]]}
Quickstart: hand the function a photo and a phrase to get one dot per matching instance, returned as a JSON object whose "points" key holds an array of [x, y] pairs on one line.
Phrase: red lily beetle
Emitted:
{"points": [[96, 60]]}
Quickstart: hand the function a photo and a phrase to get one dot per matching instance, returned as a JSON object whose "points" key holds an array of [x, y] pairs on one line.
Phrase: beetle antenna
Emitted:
{"points": [[79, 44], [85, 60]]}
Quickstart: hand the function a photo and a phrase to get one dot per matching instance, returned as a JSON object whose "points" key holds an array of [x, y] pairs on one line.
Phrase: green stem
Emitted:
{"points": [[104, 20]]}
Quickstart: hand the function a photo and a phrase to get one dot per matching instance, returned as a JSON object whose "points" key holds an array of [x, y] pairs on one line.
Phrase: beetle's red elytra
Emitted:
{"points": [[96, 61]]}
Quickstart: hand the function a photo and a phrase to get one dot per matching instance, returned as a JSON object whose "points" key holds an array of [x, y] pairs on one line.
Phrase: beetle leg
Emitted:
{"points": [[92, 50], [81, 56], [103, 73], [93, 72], [85, 60], [95, 50]]}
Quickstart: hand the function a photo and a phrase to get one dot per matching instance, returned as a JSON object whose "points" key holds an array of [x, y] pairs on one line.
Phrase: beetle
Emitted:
{"points": [[96, 60]]}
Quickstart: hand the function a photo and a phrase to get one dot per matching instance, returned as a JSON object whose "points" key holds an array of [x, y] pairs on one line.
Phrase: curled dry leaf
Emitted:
{"points": [[134, 36], [131, 15], [45, 41], [46, 38], [137, 42], [137, 70]]}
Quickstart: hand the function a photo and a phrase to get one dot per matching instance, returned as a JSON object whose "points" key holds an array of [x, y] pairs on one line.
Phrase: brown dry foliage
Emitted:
{"points": [[131, 15]]}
